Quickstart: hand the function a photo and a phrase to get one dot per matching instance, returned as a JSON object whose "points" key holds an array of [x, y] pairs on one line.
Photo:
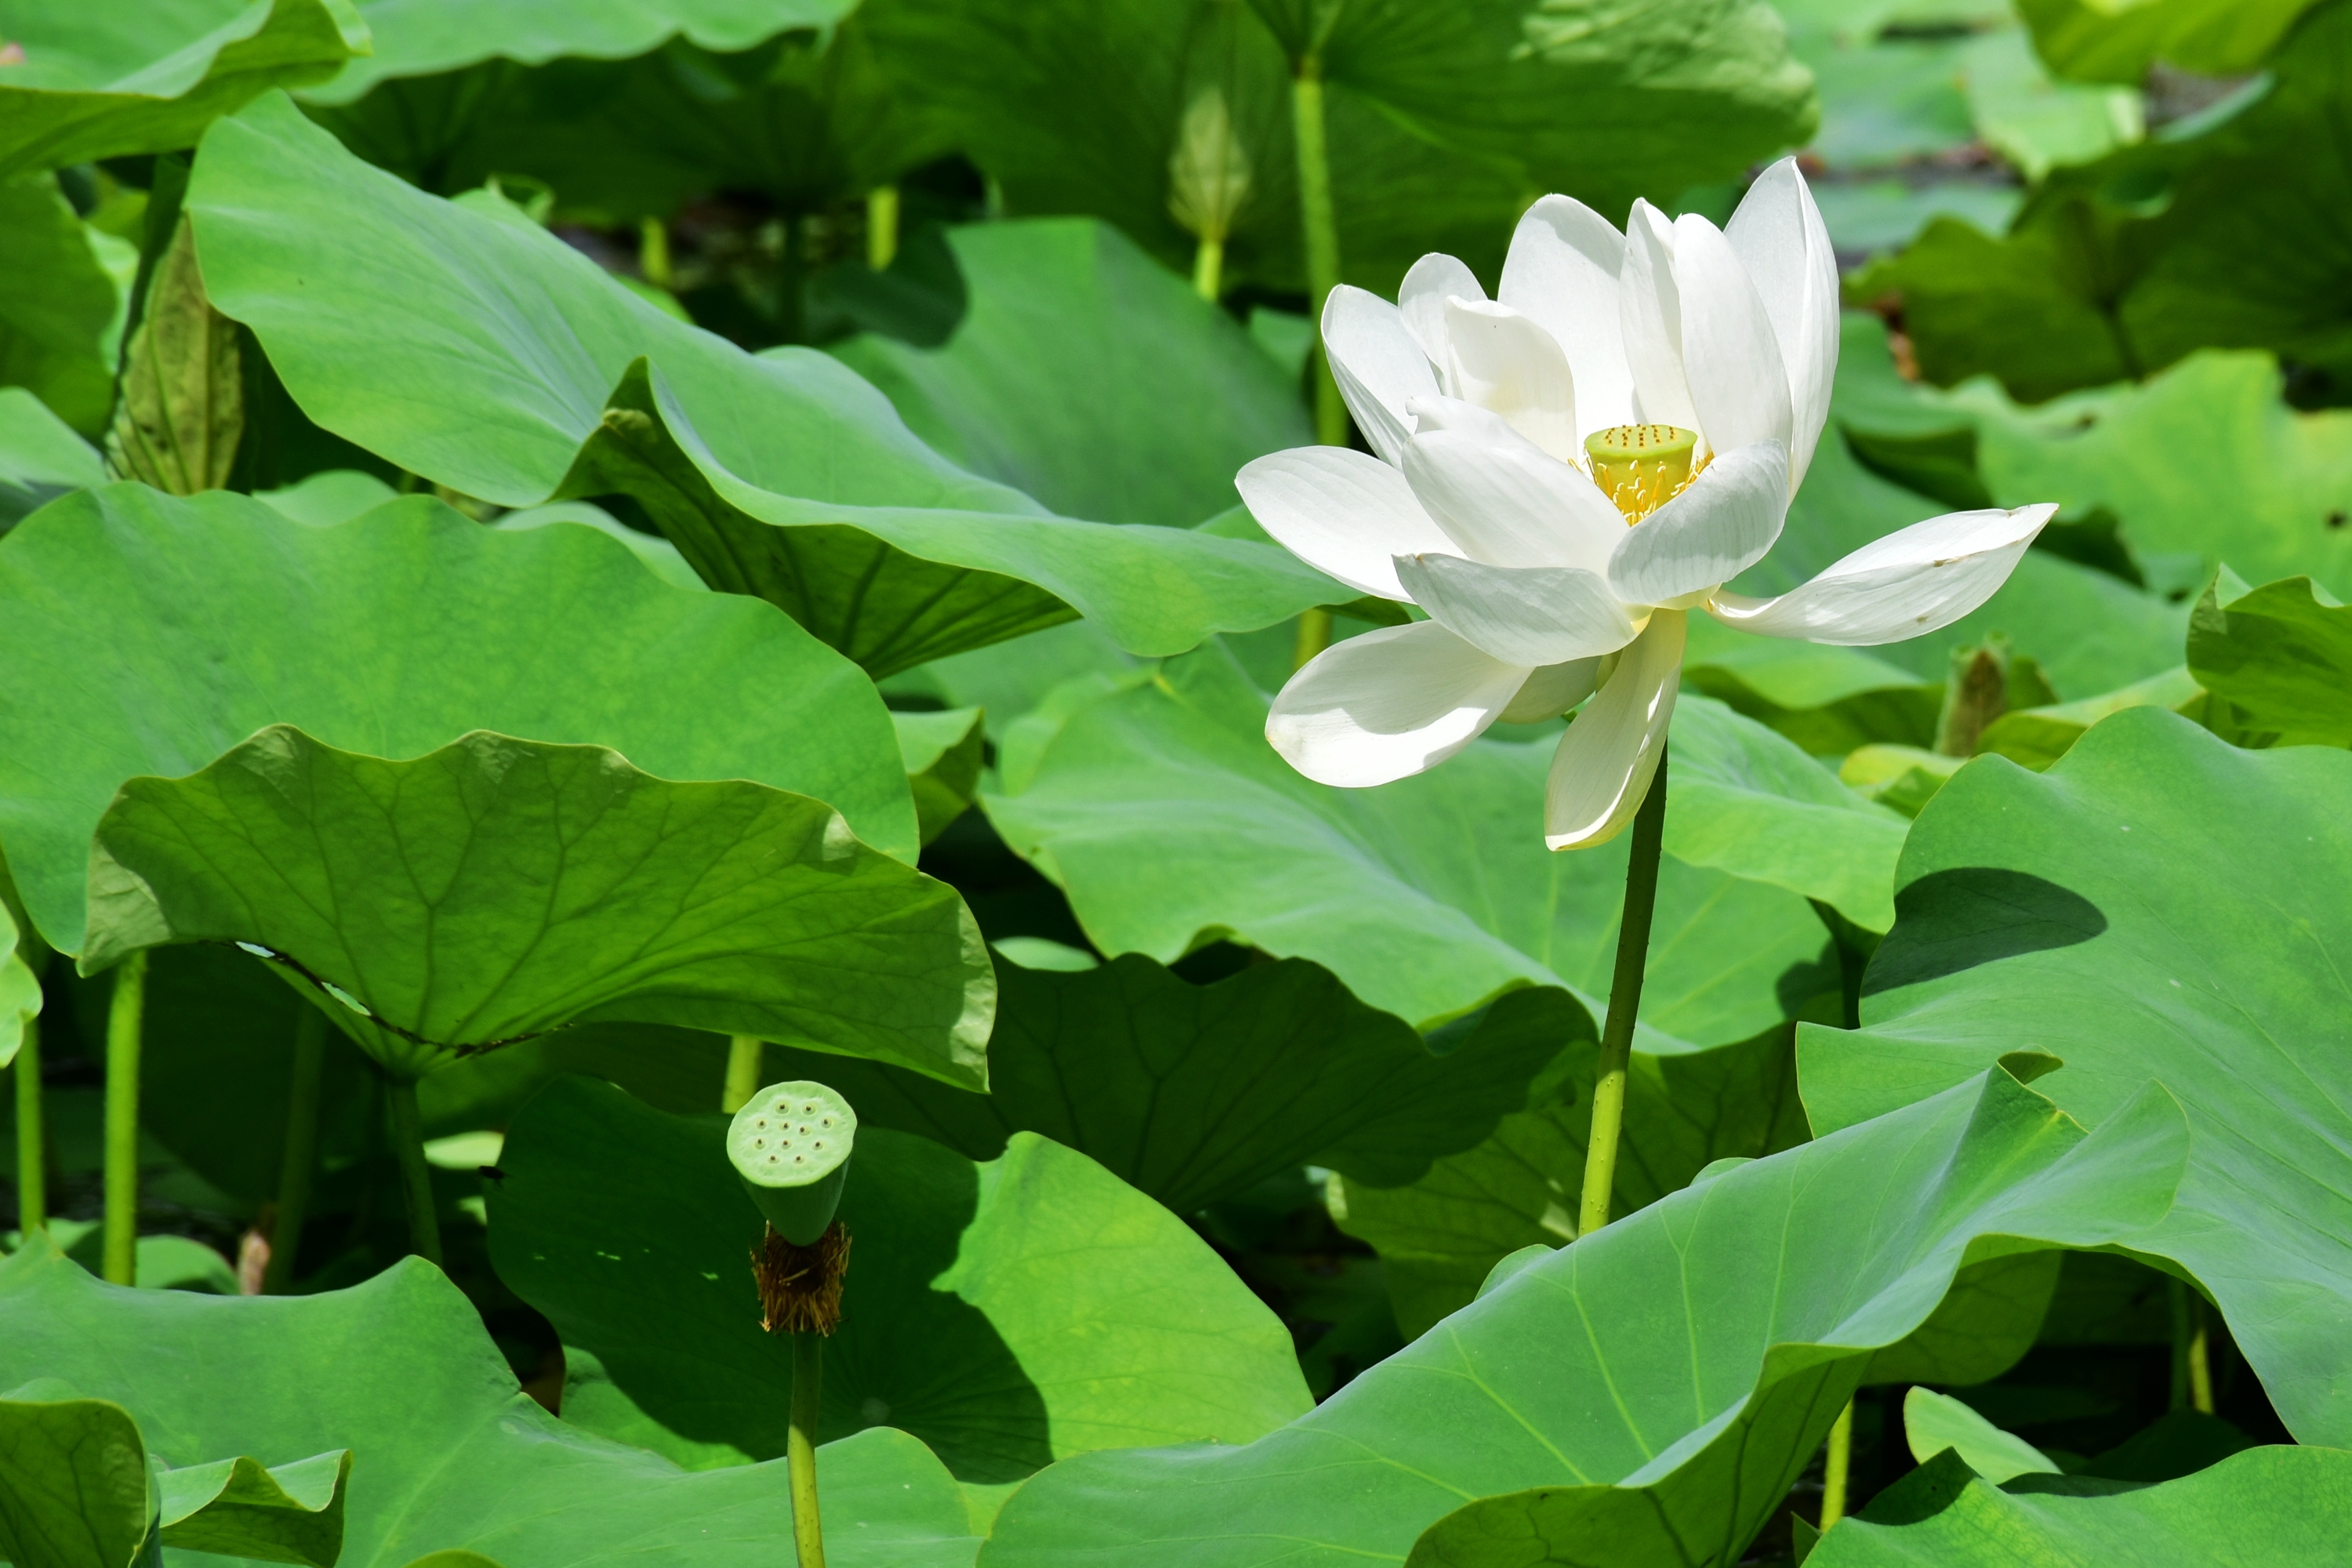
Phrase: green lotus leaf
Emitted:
{"points": [[1440, 123], [1686, 1364], [2089, 41], [2275, 1506], [781, 475], [146, 635], [90, 85], [2204, 460], [450, 1455], [1195, 1093], [2281, 655], [1933, 1422], [2158, 907], [20, 989], [1009, 1313], [1169, 821], [1441, 1235], [61, 323], [74, 1493], [1753, 803], [943, 751], [1828, 699], [1066, 374], [499, 888], [424, 38], [2116, 268], [2089, 631], [41, 457]]}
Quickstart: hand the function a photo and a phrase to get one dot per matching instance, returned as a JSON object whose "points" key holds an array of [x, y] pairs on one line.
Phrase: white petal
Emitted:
{"points": [[1610, 755], [1562, 271], [1710, 533], [1914, 581], [1508, 504], [1553, 690], [1388, 704], [1421, 301], [1526, 615], [1650, 314], [1378, 365], [1347, 515], [1505, 363], [1738, 384], [1778, 236]]}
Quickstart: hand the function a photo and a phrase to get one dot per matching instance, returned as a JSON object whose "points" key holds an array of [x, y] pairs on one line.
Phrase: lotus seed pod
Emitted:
{"points": [[790, 1145]]}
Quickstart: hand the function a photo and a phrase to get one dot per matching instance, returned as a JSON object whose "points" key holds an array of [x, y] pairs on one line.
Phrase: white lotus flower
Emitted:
{"points": [[1564, 474]]}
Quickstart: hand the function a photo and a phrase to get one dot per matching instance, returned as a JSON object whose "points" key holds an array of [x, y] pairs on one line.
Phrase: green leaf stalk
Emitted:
{"points": [[124, 1023], [32, 1165], [301, 1157], [1624, 1003], [404, 1129]]}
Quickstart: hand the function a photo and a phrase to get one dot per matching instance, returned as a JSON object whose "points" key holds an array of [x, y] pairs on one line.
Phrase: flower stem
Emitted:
{"points": [[881, 227], [1313, 637], [653, 252], [746, 1057], [800, 1448], [1837, 1467], [1320, 224], [32, 1143], [124, 1018], [1209, 267], [405, 1129], [302, 1156], [1625, 1004]]}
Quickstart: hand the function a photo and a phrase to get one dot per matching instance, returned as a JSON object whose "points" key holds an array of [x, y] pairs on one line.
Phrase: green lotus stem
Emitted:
{"points": [[405, 1129], [2200, 1370], [881, 227], [301, 1157], [1313, 637], [32, 1145], [746, 1054], [653, 252], [124, 1019], [1209, 267], [1837, 1466], [1625, 1004], [1319, 221], [800, 1448]]}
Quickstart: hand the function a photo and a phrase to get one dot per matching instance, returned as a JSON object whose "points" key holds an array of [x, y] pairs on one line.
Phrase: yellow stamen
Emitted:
{"points": [[1640, 468]]}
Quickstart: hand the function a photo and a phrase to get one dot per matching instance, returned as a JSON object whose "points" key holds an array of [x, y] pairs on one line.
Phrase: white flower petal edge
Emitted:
{"points": [[1737, 382], [1378, 367], [1780, 238], [1531, 614], [1562, 273], [1650, 315], [1421, 300], [1504, 361], [1719, 527], [1606, 761], [1388, 704], [1506, 503], [1553, 690], [1347, 515], [1914, 581]]}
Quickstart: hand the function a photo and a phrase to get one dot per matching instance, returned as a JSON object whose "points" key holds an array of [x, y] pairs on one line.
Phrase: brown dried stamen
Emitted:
{"points": [[800, 1287]]}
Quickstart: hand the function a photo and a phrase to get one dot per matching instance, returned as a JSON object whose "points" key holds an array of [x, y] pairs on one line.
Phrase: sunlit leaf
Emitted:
{"points": [[2158, 907], [147, 636], [1648, 1393], [781, 475], [497, 889], [451, 1454], [87, 85]]}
